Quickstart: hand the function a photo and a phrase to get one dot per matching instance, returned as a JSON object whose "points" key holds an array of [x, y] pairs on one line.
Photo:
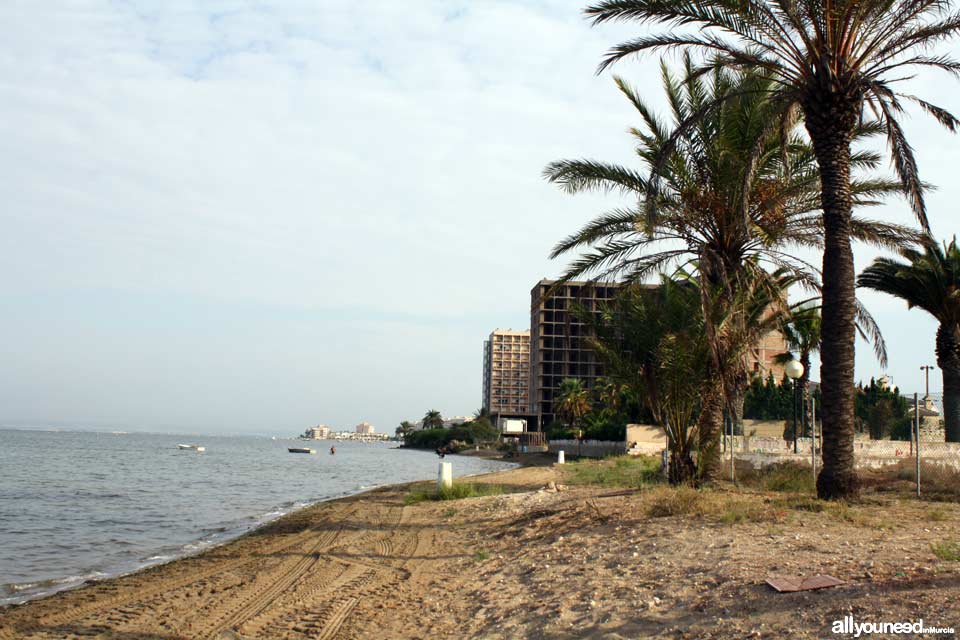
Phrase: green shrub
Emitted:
{"points": [[456, 438]]}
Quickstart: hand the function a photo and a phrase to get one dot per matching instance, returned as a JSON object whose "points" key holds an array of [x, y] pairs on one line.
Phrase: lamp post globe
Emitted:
{"points": [[793, 369]]}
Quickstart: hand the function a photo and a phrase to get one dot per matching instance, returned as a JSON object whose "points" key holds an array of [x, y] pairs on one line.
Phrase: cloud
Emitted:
{"points": [[369, 165]]}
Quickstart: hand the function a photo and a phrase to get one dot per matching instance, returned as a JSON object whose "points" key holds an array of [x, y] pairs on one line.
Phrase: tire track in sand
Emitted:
{"points": [[162, 588], [265, 590]]}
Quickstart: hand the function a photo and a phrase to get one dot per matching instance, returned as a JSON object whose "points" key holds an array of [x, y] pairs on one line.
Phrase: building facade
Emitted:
{"points": [[559, 350], [506, 373], [364, 428], [761, 359], [319, 432]]}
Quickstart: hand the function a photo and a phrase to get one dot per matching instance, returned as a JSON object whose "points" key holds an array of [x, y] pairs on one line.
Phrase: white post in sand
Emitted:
{"points": [[445, 475], [560, 458]]}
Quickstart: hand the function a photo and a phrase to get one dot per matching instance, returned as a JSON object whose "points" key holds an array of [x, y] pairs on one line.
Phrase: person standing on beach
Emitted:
{"points": [[333, 450]]}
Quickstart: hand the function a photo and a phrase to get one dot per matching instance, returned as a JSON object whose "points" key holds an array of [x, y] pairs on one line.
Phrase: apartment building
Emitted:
{"points": [[558, 347], [506, 373], [364, 428], [319, 432]]}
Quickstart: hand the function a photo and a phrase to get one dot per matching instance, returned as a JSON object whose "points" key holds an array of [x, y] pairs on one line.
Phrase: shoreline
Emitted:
{"points": [[308, 548], [203, 544], [537, 560]]}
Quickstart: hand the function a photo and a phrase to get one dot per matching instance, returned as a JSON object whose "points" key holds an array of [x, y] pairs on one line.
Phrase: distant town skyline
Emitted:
{"points": [[252, 219]]}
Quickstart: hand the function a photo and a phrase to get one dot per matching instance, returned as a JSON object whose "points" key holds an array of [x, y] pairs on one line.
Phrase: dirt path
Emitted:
{"points": [[579, 563]]}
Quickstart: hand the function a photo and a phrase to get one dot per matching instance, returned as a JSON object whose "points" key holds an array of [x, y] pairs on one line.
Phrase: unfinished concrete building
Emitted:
{"points": [[558, 347], [506, 373]]}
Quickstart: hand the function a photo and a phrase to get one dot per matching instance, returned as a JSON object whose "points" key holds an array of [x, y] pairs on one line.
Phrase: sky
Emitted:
{"points": [[252, 217]]}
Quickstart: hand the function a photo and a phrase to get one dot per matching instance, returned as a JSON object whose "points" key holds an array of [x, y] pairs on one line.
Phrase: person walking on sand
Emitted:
{"points": [[333, 450]]}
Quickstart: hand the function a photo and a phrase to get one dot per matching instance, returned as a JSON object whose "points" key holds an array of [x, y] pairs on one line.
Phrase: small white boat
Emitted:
{"points": [[194, 447], [300, 450]]}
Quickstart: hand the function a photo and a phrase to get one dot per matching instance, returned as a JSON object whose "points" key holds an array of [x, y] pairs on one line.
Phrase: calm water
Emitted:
{"points": [[75, 506]]}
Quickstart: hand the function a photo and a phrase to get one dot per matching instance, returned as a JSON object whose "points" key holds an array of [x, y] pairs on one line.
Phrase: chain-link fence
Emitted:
{"points": [[922, 462]]}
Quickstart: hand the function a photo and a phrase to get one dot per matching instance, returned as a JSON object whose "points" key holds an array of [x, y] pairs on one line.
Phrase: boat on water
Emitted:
{"points": [[194, 447], [300, 450]]}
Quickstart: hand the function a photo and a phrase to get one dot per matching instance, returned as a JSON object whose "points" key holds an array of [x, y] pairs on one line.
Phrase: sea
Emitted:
{"points": [[77, 506]]}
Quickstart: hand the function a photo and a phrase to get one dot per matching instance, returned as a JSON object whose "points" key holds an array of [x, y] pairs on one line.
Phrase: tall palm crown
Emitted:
{"points": [[733, 195], [432, 419], [801, 332], [929, 280], [729, 189], [826, 59], [829, 61]]}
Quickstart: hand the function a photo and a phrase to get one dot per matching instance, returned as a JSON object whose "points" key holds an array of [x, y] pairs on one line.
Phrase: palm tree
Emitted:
{"points": [[733, 325], [572, 401], [733, 194], [829, 62], [432, 419], [651, 340], [929, 280], [405, 429], [609, 394]]}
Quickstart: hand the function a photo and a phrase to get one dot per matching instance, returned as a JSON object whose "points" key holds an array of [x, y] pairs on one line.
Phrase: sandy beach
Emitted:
{"points": [[581, 562]]}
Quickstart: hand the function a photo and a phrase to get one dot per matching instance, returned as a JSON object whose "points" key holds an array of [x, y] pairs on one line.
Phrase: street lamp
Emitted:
{"points": [[926, 370], [794, 370]]}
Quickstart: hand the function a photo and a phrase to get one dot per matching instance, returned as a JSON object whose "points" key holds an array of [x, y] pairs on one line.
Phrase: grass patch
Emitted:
{"points": [[619, 471], [679, 501], [947, 550], [457, 491], [803, 503], [736, 512], [460, 490], [783, 477], [480, 555], [725, 507], [938, 481], [937, 515]]}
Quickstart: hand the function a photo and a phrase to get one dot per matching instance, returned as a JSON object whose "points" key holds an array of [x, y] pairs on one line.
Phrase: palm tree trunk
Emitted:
{"points": [[948, 359], [738, 395], [681, 471], [830, 121], [709, 428]]}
